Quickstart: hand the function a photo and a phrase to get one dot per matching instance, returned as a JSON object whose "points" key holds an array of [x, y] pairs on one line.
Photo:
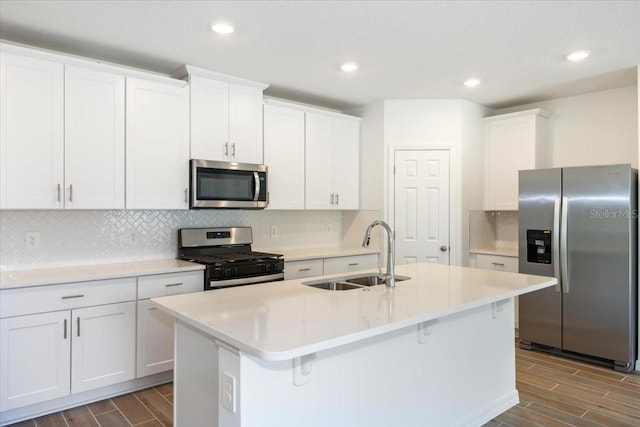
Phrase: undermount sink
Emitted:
{"points": [[347, 283], [333, 286], [373, 280]]}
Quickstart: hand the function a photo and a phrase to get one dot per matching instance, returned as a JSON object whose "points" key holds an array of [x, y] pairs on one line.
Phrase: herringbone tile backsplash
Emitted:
{"points": [[88, 237]]}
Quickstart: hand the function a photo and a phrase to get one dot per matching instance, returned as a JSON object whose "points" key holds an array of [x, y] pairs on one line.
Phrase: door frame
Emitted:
{"points": [[454, 256]]}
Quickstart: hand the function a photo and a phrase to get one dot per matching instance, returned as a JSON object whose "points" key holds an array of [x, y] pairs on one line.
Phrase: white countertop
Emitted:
{"points": [[80, 273], [285, 320], [299, 254]]}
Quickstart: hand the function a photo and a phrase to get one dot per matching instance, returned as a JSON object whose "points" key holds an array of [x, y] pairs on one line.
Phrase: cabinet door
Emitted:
{"points": [[155, 340], [245, 124], [94, 139], [284, 154], [31, 133], [157, 145], [209, 119], [497, 262], [510, 148], [318, 158], [34, 359], [103, 350], [346, 163]]}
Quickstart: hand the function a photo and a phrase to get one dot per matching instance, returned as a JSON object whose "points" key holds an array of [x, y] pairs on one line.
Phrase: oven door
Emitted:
{"points": [[225, 283], [228, 185]]}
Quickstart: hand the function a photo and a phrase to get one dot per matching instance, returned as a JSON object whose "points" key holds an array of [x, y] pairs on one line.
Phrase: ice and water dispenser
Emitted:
{"points": [[539, 246]]}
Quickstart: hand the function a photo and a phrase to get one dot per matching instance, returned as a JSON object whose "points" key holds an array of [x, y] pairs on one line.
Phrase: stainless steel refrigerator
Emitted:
{"points": [[579, 224]]}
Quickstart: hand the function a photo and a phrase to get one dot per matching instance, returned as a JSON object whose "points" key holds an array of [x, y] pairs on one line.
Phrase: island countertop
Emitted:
{"points": [[285, 320]]}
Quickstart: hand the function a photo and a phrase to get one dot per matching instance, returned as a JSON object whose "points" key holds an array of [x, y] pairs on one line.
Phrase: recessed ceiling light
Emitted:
{"points": [[471, 82], [349, 67], [222, 28], [578, 55]]}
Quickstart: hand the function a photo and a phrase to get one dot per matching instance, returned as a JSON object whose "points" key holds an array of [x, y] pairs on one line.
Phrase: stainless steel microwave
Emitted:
{"points": [[228, 185]]}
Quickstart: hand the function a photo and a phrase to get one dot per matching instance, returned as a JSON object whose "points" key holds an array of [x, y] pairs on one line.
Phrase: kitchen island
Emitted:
{"points": [[438, 349]]}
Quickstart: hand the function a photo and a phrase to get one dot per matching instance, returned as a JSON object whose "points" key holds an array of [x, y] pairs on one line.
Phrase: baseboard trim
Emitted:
{"points": [[71, 401], [497, 407]]}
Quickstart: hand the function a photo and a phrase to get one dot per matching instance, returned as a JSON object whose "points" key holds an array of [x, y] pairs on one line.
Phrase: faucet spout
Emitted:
{"points": [[389, 277]]}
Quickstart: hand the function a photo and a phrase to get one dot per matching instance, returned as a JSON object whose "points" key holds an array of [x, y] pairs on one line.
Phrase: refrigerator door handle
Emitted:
{"points": [[564, 256], [555, 243]]}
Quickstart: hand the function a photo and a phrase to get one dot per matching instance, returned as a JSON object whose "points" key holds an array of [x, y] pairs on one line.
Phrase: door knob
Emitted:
{"points": [[443, 248]]}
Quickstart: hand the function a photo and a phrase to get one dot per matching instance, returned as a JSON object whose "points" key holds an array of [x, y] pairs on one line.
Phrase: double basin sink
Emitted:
{"points": [[356, 282]]}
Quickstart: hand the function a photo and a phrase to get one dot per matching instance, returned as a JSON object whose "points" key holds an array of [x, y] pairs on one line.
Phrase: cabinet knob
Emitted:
{"points": [[443, 248]]}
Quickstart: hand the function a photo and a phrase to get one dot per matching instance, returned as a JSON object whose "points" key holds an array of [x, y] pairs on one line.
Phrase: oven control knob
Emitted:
{"points": [[268, 267], [228, 272]]}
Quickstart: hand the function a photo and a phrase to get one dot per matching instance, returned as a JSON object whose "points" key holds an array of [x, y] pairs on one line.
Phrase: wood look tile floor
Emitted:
{"points": [[553, 392]]}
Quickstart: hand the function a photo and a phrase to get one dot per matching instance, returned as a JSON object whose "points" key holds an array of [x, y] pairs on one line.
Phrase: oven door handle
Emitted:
{"points": [[256, 190], [245, 280]]}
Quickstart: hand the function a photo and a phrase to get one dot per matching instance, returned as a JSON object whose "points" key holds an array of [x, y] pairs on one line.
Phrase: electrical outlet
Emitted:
{"points": [[328, 228], [229, 392], [32, 240], [133, 238], [274, 231]]}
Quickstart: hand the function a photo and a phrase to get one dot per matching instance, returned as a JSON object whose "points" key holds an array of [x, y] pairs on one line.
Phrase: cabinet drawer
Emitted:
{"points": [[41, 299], [304, 268], [346, 264], [496, 262], [170, 284]]}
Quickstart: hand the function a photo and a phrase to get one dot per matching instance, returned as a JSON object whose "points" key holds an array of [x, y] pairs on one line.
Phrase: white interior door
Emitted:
{"points": [[421, 206]]}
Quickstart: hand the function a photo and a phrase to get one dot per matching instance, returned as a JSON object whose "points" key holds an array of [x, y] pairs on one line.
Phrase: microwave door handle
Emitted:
{"points": [[256, 191]]}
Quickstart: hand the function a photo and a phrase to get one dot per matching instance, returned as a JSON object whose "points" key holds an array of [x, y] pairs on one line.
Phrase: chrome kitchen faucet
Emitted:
{"points": [[389, 277]]}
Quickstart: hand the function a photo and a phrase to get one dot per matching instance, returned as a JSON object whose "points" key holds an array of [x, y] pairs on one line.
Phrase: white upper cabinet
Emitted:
{"points": [[94, 139], [32, 133], [332, 161], [226, 116], [157, 150], [284, 155], [513, 142], [62, 136]]}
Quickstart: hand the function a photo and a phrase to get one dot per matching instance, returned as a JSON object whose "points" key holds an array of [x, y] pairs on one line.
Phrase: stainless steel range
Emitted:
{"points": [[226, 251]]}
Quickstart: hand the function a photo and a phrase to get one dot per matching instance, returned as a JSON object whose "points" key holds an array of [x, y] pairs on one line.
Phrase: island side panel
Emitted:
{"points": [[456, 371], [195, 384]]}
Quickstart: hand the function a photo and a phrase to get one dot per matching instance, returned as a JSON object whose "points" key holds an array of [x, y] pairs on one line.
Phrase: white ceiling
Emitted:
{"points": [[406, 49]]}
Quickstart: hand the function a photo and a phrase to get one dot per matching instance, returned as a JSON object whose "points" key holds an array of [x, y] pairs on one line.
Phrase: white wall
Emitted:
{"points": [[595, 128], [452, 124]]}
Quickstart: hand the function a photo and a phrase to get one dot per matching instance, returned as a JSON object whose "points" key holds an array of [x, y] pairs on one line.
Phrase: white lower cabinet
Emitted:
{"points": [[347, 264], [103, 347], [35, 359], [65, 339], [155, 328], [303, 268], [329, 265], [497, 262]]}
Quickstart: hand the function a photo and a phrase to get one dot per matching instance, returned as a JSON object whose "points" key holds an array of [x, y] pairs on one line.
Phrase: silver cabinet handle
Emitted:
{"points": [[71, 192], [233, 149], [500, 264], [72, 296], [65, 329], [59, 193], [304, 269], [186, 195], [332, 198], [78, 326], [173, 284], [353, 264], [226, 149], [337, 198]]}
